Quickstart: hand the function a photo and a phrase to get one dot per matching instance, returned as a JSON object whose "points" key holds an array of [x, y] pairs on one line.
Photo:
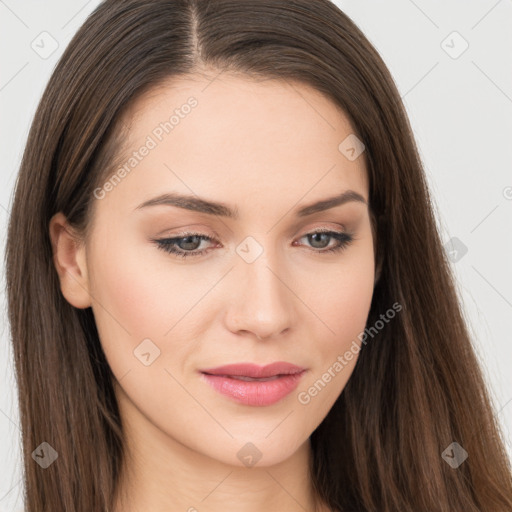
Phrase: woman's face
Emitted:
{"points": [[257, 286]]}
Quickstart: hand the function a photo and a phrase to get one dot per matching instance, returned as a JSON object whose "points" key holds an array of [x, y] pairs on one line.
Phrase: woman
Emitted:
{"points": [[226, 288]]}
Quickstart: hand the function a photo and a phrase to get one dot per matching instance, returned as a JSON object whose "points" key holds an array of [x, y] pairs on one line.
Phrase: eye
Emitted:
{"points": [[188, 243], [183, 246], [320, 239]]}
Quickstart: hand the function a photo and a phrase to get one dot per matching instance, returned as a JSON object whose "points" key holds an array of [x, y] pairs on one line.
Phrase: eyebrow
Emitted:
{"points": [[197, 204]]}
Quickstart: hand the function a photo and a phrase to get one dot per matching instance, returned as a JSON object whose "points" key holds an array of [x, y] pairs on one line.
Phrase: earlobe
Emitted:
{"points": [[70, 262]]}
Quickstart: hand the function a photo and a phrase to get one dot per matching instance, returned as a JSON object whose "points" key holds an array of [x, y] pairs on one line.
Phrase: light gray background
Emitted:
{"points": [[460, 108]]}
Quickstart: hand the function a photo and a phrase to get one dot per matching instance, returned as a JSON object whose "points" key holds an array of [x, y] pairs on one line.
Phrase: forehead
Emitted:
{"points": [[231, 137]]}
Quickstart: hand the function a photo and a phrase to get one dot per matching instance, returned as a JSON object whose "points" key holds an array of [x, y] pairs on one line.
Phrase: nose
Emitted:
{"points": [[262, 299]]}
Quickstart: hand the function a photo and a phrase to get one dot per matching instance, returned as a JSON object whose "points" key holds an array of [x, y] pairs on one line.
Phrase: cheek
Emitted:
{"points": [[346, 317], [342, 297], [132, 301], [140, 294], [140, 288], [341, 310]]}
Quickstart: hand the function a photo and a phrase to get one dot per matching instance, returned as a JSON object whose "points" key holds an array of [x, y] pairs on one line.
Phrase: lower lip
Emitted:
{"points": [[258, 393]]}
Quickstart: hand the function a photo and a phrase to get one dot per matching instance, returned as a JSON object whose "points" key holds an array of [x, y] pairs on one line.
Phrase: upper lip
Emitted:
{"points": [[255, 371]]}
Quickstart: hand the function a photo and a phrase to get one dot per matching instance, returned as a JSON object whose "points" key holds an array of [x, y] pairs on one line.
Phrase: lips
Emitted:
{"points": [[253, 371], [254, 385]]}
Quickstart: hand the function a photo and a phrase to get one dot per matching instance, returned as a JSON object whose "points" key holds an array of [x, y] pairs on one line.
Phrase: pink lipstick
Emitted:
{"points": [[250, 384]]}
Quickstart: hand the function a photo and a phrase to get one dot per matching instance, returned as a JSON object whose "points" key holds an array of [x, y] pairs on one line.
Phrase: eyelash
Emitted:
{"points": [[168, 244]]}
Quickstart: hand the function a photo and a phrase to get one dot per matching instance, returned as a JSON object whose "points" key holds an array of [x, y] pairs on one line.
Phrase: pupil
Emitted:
{"points": [[187, 240], [318, 235]]}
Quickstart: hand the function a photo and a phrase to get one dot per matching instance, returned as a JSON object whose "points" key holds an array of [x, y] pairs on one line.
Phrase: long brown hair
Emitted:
{"points": [[417, 386]]}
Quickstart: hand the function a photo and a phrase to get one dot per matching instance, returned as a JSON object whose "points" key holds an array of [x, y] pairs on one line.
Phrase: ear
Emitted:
{"points": [[70, 262]]}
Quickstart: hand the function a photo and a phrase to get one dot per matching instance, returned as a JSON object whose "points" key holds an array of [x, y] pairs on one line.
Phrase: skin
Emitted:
{"points": [[267, 148]]}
